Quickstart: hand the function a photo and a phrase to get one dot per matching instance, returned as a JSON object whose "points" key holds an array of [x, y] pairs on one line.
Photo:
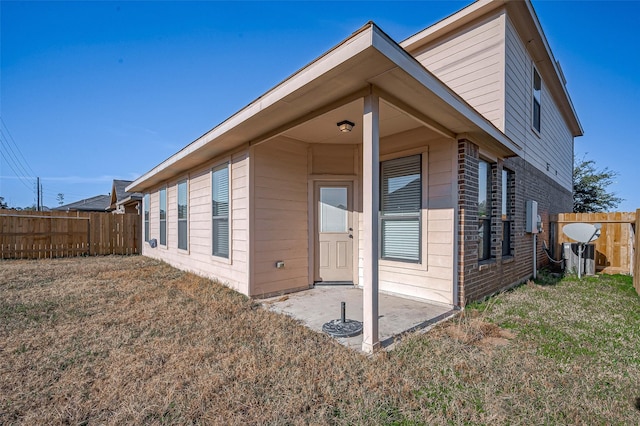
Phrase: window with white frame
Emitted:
{"points": [[220, 210], [163, 216], [146, 207], [536, 95], [484, 210], [401, 201], [182, 215]]}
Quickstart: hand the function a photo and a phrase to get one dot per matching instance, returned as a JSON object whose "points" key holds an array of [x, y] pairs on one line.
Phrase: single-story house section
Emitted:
{"points": [[406, 168], [94, 204], [122, 201]]}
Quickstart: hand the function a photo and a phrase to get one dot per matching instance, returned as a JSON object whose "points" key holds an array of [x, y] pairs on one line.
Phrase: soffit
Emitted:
{"points": [[369, 58]]}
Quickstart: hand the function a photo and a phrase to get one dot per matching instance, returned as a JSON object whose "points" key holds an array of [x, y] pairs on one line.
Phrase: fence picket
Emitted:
{"points": [[37, 235]]}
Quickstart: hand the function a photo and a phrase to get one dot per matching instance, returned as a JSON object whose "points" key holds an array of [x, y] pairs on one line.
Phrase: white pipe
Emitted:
{"points": [[535, 259], [580, 250]]}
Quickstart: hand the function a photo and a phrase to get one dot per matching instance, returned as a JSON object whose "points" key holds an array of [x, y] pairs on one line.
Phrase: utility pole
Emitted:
{"points": [[38, 194]]}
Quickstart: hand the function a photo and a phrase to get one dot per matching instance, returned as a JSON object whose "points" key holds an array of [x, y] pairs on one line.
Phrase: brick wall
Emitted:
{"points": [[479, 279]]}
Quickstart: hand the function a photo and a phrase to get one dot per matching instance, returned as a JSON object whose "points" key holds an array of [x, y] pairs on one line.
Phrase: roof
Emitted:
{"points": [[368, 58], [526, 22], [94, 204], [119, 194], [119, 188]]}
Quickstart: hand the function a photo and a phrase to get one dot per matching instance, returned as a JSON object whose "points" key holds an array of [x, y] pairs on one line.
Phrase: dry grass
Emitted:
{"points": [[131, 340]]}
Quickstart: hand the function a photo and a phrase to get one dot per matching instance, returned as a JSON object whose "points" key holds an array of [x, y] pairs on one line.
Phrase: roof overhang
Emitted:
{"points": [[367, 60], [526, 22]]}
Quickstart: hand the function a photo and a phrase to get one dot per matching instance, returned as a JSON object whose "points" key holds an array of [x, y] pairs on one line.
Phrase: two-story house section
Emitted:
{"points": [[494, 55], [414, 168]]}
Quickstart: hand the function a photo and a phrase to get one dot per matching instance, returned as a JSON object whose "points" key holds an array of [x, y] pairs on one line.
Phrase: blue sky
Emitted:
{"points": [[92, 91]]}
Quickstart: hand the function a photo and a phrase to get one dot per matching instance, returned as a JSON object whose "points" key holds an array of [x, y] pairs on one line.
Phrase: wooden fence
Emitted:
{"points": [[38, 235], [615, 252], [636, 260]]}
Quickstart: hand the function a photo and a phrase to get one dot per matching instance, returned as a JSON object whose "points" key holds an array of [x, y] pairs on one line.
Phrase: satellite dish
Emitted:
{"points": [[583, 233]]}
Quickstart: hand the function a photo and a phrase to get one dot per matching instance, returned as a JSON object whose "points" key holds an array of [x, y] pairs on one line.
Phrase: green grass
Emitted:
{"points": [[131, 340]]}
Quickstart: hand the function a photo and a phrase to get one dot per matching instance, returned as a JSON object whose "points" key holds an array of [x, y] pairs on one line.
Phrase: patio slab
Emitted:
{"points": [[321, 304]]}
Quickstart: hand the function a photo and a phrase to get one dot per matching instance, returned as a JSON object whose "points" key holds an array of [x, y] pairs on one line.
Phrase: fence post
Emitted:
{"points": [[89, 236], [636, 254]]}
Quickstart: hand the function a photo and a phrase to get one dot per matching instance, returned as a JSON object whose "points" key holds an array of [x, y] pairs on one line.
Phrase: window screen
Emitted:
{"points": [[163, 216], [146, 217], [401, 201], [182, 215], [220, 210]]}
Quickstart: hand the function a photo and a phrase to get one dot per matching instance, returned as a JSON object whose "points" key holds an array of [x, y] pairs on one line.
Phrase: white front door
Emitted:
{"points": [[334, 221]]}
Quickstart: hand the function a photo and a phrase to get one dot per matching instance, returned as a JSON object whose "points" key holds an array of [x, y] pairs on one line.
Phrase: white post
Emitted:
{"points": [[370, 206]]}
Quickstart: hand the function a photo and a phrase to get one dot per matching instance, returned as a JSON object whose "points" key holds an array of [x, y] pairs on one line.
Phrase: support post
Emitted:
{"points": [[370, 207]]}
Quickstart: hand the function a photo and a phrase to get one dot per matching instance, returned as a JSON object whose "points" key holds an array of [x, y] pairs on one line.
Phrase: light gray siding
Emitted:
{"points": [[471, 62], [198, 257], [431, 279], [550, 151], [280, 221]]}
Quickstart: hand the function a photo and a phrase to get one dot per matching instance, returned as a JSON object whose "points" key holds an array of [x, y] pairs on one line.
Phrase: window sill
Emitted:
{"points": [[536, 132], [508, 259], [414, 265], [486, 264], [222, 260]]}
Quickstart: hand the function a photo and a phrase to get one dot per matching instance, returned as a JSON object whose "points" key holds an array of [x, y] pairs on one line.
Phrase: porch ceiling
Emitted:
{"points": [[323, 129], [308, 105]]}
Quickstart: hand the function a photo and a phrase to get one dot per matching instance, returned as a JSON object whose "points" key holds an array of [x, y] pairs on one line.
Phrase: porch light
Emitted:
{"points": [[345, 126]]}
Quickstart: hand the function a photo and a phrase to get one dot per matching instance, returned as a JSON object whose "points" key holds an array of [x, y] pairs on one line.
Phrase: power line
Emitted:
{"points": [[11, 155], [14, 157], [20, 178], [17, 148]]}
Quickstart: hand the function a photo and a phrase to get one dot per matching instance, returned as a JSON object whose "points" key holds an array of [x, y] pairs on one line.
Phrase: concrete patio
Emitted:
{"points": [[319, 305]]}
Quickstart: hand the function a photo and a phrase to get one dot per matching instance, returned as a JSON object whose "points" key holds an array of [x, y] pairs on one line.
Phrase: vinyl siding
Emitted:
{"points": [[433, 279], [471, 62], [280, 217], [554, 144], [333, 159], [198, 259]]}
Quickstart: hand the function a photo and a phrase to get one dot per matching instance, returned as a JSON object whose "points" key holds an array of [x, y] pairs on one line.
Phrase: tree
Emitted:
{"points": [[60, 198], [3, 205], [590, 194]]}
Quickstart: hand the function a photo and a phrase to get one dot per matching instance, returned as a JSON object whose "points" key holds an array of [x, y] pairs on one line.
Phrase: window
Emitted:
{"points": [[146, 217], [507, 194], [334, 214], [484, 210], [220, 210], [163, 217], [182, 215], [537, 90], [401, 201]]}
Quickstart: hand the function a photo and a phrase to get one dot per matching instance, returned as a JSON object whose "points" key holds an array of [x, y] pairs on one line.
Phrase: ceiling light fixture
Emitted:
{"points": [[345, 126]]}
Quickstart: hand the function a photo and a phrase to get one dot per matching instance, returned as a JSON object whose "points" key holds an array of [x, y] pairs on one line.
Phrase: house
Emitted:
{"points": [[122, 201], [415, 168], [93, 204]]}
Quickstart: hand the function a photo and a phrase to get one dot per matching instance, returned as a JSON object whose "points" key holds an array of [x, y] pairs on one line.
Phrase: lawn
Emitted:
{"points": [[115, 340]]}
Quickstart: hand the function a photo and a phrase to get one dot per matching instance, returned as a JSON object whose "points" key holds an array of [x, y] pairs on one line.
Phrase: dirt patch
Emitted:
{"points": [[478, 332]]}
